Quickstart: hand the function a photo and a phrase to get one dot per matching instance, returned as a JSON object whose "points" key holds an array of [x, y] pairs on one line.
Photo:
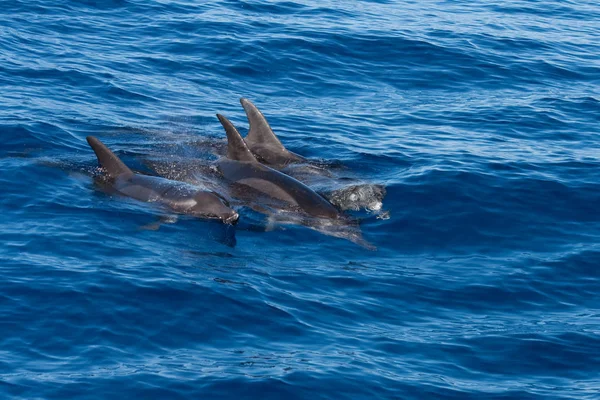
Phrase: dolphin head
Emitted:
{"points": [[355, 197], [211, 205]]}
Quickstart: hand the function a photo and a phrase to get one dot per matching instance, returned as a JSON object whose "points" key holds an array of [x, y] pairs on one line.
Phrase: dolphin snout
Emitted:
{"points": [[231, 218]]}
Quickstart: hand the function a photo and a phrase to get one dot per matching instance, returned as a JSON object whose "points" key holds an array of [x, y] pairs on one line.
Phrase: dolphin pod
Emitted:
{"points": [[254, 169]]}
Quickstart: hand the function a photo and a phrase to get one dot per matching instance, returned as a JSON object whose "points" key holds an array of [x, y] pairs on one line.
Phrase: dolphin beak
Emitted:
{"points": [[231, 218]]}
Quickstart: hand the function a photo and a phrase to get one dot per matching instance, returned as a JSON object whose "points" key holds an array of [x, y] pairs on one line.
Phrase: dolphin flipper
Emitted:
{"points": [[107, 159], [154, 226], [236, 147]]}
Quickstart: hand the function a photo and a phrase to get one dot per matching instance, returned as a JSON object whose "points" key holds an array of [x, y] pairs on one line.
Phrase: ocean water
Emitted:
{"points": [[481, 119]]}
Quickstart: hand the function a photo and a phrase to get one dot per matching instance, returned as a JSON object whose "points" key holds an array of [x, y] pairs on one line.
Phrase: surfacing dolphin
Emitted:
{"points": [[241, 168], [285, 199], [177, 196], [269, 150]]}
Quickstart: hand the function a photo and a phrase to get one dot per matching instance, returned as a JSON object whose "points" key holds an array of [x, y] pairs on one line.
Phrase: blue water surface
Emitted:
{"points": [[482, 119]]}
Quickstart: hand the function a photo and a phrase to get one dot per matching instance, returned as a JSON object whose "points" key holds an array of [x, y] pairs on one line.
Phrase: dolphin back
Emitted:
{"points": [[261, 139], [260, 131], [107, 159]]}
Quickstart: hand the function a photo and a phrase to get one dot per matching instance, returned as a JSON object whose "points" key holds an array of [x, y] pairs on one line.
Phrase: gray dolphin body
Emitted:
{"points": [[241, 167], [178, 196]]}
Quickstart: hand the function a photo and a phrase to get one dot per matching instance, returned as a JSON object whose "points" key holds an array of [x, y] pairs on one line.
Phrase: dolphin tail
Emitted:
{"points": [[107, 159], [236, 147], [260, 131]]}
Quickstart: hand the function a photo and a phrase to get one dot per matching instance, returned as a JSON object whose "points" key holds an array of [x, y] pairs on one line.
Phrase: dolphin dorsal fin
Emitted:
{"points": [[260, 131], [236, 147], [107, 159]]}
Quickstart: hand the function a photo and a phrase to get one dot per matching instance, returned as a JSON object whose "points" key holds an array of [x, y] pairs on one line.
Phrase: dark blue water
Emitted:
{"points": [[482, 121]]}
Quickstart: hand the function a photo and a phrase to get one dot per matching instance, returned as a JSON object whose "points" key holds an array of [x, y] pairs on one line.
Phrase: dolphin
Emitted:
{"points": [[269, 150], [240, 167], [177, 196]]}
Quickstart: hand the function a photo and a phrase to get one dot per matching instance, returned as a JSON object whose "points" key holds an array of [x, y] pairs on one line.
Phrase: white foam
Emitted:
{"points": [[375, 206]]}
